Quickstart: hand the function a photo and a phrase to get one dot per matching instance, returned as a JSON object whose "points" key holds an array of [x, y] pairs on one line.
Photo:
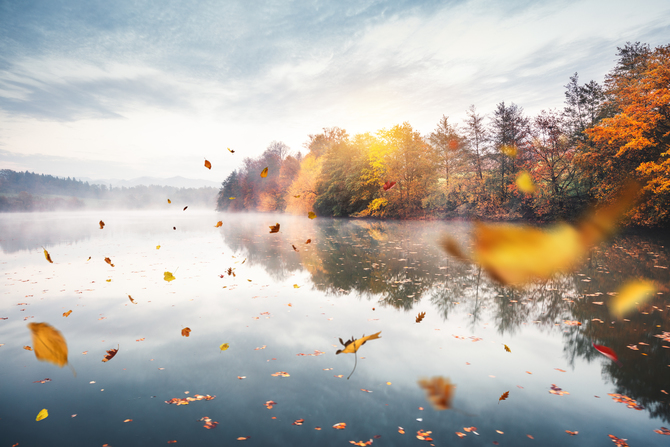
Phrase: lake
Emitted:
{"points": [[282, 311]]}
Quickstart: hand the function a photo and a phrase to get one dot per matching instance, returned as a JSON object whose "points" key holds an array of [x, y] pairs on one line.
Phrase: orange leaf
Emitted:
{"points": [[208, 165], [102, 225], [110, 354], [504, 396], [420, 317], [67, 314], [439, 392], [109, 261], [218, 224], [186, 331], [49, 344], [264, 173], [274, 228]]}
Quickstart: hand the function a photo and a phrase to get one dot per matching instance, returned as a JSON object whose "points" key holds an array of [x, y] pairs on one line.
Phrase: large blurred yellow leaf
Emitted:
{"points": [[525, 182], [42, 415], [352, 346], [48, 344], [439, 392], [630, 294]]}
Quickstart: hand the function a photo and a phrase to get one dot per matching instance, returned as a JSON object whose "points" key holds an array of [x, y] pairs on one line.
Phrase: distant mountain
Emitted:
{"points": [[176, 182]]}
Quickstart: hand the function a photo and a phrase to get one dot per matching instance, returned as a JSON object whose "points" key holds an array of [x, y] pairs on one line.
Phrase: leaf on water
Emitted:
{"points": [[525, 183], [185, 208], [504, 396], [571, 433], [420, 317], [507, 348], [295, 286], [109, 261], [169, 201], [388, 185], [218, 224], [108, 280], [42, 415], [630, 294], [110, 354], [48, 344], [208, 165], [274, 228], [352, 346], [297, 196], [311, 215], [308, 241], [298, 422], [67, 314], [340, 426], [508, 150], [224, 346], [295, 248], [174, 228], [230, 150], [131, 299], [186, 332], [264, 173], [439, 392], [102, 225], [167, 276], [47, 256]]}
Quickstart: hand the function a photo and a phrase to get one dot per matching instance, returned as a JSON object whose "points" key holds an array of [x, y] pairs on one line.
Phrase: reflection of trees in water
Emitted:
{"points": [[398, 263]]}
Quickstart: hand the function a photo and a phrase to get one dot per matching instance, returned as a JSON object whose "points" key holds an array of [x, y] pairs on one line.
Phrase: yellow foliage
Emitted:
{"points": [[48, 344], [630, 294]]}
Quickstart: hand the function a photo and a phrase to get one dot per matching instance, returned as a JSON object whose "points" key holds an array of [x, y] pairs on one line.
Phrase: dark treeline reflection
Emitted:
{"points": [[400, 264]]}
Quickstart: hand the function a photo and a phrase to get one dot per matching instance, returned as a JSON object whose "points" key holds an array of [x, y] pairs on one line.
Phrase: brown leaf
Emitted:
{"points": [[208, 165], [439, 392], [46, 255], [131, 299], [109, 261], [169, 201], [185, 208], [102, 225], [49, 344], [308, 241], [295, 248], [231, 151], [274, 228], [311, 215], [218, 224], [420, 317], [504, 396], [186, 331], [110, 354]]}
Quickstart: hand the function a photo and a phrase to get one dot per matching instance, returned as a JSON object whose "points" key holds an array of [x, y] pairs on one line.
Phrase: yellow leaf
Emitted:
{"points": [[108, 280], [507, 348], [224, 346], [264, 173], [109, 261], [231, 198], [352, 345], [158, 247], [297, 197], [630, 294], [508, 150], [311, 215], [46, 255], [295, 286], [231, 151], [48, 344], [169, 201], [218, 224], [167, 276], [208, 165], [525, 183], [42, 415]]}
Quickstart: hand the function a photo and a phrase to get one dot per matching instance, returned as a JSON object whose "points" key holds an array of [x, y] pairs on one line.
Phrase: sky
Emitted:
{"points": [[123, 89]]}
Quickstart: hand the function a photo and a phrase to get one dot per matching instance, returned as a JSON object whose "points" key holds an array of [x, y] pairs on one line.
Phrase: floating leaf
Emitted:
{"points": [[186, 332], [131, 299], [167, 276], [507, 348], [42, 415], [224, 346], [295, 249], [340, 426], [388, 185], [208, 165], [308, 241], [230, 150], [420, 317], [509, 150], [218, 224], [504, 396], [630, 294], [311, 215], [298, 422], [607, 352], [264, 173], [102, 225], [571, 433], [158, 247], [67, 314], [295, 286], [110, 354], [169, 201], [48, 344], [185, 208], [231, 198], [352, 346], [297, 196], [525, 183], [46, 255], [439, 392], [109, 261], [89, 258], [27, 348], [274, 228]]}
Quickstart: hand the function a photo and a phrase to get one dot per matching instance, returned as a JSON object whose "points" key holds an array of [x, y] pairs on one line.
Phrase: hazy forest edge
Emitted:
{"points": [[605, 135]]}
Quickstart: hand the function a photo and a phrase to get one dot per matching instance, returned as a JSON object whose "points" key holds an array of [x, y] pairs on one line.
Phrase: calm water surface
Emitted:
{"points": [[355, 278]]}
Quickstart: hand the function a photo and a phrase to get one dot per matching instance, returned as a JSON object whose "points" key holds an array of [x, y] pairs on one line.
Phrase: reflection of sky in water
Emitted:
{"points": [[349, 268]]}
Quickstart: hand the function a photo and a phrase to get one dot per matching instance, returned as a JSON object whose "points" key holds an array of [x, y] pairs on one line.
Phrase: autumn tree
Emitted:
{"points": [[508, 132]]}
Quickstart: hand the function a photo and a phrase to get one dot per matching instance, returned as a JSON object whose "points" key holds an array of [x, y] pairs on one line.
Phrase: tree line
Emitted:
{"points": [[605, 135]]}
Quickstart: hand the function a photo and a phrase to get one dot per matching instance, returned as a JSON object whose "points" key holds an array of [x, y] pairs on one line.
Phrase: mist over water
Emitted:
{"points": [[355, 278]]}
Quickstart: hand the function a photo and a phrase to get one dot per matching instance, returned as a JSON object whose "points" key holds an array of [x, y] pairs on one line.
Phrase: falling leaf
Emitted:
{"points": [[525, 183], [128, 420], [388, 185], [340, 426], [131, 299], [42, 415], [507, 348], [169, 201], [231, 198], [174, 228], [224, 346], [67, 314], [27, 348], [311, 215], [158, 247], [264, 173], [308, 241], [439, 392], [630, 294], [504, 396], [663, 431], [420, 317], [295, 249], [298, 422], [230, 150], [110, 354], [508, 150], [218, 224], [572, 323], [243, 438], [352, 346], [46, 255], [167, 276], [208, 165], [186, 332], [571, 433], [274, 228], [102, 225], [89, 258], [297, 196], [185, 208], [108, 280], [295, 286], [109, 261], [48, 344]]}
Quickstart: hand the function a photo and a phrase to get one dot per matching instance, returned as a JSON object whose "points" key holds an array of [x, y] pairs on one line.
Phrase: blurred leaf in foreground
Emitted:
{"points": [[439, 392], [48, 344], [630, 294]]}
